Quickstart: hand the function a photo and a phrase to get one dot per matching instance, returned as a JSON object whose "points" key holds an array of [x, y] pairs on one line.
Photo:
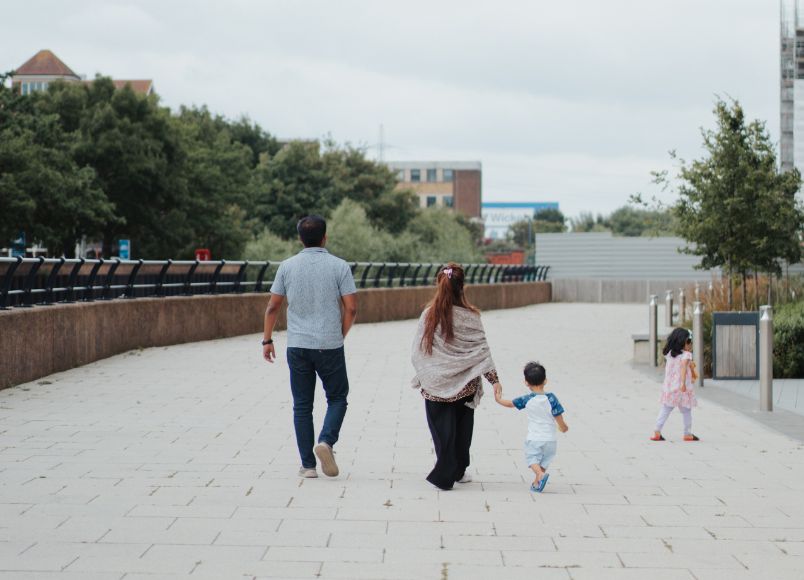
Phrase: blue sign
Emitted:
{"points": [[18, 246], [124, 249]]}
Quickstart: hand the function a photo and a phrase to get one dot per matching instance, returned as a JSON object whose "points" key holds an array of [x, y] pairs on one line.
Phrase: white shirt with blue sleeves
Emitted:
{"points": [[540, 408]]}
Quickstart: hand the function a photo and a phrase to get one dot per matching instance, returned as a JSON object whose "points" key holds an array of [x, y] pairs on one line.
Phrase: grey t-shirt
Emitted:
{"points": [[313, 282]]}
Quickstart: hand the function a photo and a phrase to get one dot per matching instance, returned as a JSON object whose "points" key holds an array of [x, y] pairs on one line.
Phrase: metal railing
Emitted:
{"points": [[26, 282]]}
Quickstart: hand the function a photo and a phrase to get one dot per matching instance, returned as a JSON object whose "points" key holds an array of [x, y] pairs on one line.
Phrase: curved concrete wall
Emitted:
{"points": [[36, 342]]}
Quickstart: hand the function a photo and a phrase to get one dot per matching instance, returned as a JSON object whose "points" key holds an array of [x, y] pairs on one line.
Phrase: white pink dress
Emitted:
{"points": [[671, 389]]}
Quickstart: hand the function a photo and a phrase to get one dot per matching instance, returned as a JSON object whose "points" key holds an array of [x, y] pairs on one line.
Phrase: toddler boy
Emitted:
{"points": [[544, 413]]}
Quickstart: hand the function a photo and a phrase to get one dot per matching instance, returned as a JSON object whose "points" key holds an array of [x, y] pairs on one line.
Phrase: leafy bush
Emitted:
{"points": [[269, 246], [788, 341]]}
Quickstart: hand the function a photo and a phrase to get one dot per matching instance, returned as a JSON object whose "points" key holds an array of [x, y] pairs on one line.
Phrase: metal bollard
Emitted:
{"points": [[765, 358], [697, 292], [682, 306], [668, 309], [697, 341], [653, 324]]}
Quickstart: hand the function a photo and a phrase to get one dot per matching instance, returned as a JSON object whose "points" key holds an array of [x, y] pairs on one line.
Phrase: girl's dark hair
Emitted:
{"points": [[449, 293], [676, 341]]}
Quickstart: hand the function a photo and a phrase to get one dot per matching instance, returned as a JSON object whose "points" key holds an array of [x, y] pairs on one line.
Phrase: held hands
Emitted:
{"points": [[269, 353]]}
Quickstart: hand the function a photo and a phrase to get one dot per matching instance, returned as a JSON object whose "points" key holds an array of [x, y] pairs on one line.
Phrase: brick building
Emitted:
{"points": [[45, 67], [452, 184]]}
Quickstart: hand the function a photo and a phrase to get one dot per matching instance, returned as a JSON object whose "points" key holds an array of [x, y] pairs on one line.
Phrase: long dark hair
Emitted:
{"points": [[449, 293], [676, 342]]}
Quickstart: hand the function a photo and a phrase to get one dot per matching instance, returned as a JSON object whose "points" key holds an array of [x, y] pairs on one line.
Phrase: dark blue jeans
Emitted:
{"points": [[330, 365]]}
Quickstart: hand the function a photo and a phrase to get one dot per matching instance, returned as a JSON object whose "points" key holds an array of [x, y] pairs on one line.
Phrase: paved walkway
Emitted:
{"points": [[180, 463]]}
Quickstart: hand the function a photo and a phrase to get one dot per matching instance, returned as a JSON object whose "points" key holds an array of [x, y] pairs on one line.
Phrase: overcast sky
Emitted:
{"points": [[573, 101]]}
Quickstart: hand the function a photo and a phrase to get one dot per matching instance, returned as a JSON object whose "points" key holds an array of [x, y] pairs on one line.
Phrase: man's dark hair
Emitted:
{"points": [[535, 374], [312, 229]]}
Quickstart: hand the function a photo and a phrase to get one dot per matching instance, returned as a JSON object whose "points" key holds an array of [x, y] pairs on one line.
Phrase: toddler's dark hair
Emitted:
{"points": [[535, 374], [676, 341]]}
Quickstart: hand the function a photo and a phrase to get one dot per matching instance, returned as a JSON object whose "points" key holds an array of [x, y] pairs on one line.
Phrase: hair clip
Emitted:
{"points": [[448, 272]]}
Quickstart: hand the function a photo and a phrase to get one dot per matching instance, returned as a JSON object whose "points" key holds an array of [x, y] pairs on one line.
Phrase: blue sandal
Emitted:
{"points": [[542, 482]]}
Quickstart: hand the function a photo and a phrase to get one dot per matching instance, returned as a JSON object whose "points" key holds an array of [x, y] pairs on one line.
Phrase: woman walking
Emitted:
{"points": [[450, 354]]}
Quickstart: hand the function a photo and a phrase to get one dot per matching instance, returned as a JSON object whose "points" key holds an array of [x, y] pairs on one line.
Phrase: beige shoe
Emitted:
{"points": [[308, 472], [327, 458]]}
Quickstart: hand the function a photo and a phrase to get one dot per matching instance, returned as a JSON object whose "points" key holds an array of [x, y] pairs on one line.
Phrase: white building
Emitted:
{"points": [[498, 216]]}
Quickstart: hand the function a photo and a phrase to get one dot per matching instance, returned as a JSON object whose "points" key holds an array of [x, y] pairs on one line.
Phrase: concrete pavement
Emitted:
{"points": [[180, 462]]}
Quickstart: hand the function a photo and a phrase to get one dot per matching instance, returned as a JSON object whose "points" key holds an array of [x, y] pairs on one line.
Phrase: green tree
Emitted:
{"points": [[270, 247], [218, 176], [352, 237], [135, 149], [546, 221], [260, 142], [308, 177], [42, 190], [292, 184], [588, 222], [634, 222], [440, 236], [728, 199]]}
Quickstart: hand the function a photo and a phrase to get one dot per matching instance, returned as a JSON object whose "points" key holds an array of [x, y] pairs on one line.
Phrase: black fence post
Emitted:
{"points": [[132, 278], [27, 301], [50, 280], [7, 282], [391, 273], [72, 280], [261, 276], [403, 274], [426, 275], [415, 276], [379, 276], [159, 290], [241, 273], [188, 289], [107, 286], [365, 275], [213, 284]]}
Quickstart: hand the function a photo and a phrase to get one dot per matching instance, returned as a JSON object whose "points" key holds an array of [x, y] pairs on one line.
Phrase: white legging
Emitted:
{"points": [[664, 413]]}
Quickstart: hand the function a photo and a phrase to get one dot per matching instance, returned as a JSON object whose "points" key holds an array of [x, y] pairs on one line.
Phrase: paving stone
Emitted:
{"points": [[147, 466]]}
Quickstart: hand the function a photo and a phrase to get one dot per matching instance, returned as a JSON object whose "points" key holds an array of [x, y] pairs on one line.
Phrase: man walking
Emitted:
{"points": [[322, 305]]}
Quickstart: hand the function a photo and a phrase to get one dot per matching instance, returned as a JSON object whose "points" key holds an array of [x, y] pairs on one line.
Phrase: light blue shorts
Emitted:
{"points": [[539, 452]]}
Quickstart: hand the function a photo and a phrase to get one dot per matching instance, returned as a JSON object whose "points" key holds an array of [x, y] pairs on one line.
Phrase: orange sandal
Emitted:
{"points": [[691, 437], [657, 438]]}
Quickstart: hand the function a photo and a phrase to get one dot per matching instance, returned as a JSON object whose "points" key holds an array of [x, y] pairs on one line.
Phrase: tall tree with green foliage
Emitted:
{"points": [[309, 177], [43, 191], [729, 199], [218, 176], [632, 221], [546, 221], [136, 152]]}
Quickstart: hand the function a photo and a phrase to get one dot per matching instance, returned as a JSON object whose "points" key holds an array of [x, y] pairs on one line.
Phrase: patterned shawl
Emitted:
{"points": [[454, 363]]}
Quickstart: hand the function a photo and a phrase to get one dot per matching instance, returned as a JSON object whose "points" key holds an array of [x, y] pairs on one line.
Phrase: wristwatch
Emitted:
{"points": [[269, 341]]}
